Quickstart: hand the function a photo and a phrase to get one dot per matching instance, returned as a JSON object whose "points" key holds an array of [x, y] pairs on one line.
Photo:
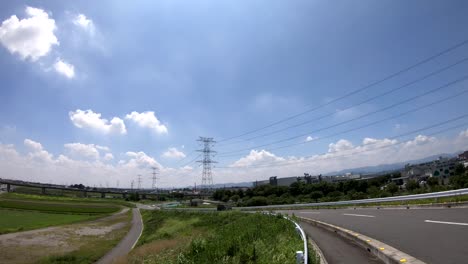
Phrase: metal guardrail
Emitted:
{"points": [[364, 201], [301, 256]]}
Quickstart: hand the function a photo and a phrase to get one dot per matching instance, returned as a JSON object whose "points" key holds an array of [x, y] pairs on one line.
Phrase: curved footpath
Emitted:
{"points": [[128, 242]]}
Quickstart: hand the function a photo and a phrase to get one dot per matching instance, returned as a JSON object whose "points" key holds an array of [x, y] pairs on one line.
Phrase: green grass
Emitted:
{"points": [[16, 220], [226, 237], [58, 207], [13, 195], [94, 247]]}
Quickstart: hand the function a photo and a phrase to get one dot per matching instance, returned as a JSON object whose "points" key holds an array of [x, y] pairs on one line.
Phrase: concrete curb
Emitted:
{"points": [[384, 252], [318, 251]]}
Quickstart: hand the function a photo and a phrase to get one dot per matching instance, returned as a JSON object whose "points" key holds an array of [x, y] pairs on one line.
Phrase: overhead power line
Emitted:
{"points": [[352, 92], [307, 158], [353, 119], [358, 104], [438, 101]]}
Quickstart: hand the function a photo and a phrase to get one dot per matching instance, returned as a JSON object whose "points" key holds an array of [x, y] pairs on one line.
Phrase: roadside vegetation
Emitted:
{"points": [[19, 220], [226, 237], [300, 192], [21, 212]]}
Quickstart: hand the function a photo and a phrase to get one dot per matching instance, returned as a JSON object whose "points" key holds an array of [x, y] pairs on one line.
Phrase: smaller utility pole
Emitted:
{"points": [[154, 178], [131, 184], [139, 181]]}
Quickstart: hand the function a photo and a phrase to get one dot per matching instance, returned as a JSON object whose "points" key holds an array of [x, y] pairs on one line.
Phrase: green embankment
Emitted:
{"points": [[58, 207], [22, 196], [227, 237], [20, 212], [19, 220]]}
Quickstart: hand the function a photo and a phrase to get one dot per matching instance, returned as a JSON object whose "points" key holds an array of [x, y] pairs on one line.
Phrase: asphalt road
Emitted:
{"points": [[128, 242], [336, 249], [431, 235]]}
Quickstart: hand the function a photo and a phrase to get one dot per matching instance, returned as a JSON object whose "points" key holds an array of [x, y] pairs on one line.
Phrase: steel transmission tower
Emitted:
{"points": [[208, 153], [154, 178], [139, 181]]}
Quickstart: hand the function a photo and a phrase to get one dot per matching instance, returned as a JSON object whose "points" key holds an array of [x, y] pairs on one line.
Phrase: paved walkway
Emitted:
{"points": [[128, 242]]}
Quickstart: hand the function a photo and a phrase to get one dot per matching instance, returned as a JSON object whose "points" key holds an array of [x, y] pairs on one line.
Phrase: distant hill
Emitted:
{"points": [[389, 167]]}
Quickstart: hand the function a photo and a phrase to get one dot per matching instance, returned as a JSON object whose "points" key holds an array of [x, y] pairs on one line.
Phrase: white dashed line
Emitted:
{"points": [[359, 215], [446, 223]]}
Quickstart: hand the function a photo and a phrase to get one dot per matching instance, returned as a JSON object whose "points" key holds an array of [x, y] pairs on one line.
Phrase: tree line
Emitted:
{"points": [[300, 192]]}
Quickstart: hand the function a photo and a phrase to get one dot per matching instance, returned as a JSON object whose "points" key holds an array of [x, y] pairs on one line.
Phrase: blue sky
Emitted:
{"points": [[215, 69]]}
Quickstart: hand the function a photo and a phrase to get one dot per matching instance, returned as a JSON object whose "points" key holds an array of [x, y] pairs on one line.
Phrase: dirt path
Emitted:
{"points": [[30, 246], [129, 241]]}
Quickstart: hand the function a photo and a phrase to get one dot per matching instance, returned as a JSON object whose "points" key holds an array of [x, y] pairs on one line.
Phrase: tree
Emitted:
{"points": [[392, 188], [432, 181], [412, 185], [316, 195], [460, 169]]}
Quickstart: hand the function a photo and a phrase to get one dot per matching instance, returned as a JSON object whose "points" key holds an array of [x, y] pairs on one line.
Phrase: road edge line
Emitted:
{"points": [[141, 231], [384, 252]]}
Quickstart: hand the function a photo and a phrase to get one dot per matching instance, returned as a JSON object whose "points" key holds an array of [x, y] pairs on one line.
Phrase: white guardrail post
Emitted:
{"points": [[302, 257]]}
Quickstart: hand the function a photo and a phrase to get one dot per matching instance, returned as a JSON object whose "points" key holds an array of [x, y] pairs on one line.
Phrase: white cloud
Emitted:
{"points": [[148, 120], [420, 140], [464, 133], [82, 150], [173, 153], [89, 120], [37, 152], [141, 160], [33, 145], [82, 21], [341, 145], [64, 68], [39, 165], [31, 37], [256, 157], [108, 156], [310, 138]]}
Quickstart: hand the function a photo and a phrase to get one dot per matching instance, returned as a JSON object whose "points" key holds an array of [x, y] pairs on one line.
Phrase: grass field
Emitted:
{"points": [[21, 212], [227, 237], [19, 220], [58, 207], [22, 196]]}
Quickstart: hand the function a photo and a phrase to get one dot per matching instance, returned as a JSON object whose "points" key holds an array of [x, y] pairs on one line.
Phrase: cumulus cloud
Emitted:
{"points": [[341, 145], [141, 160], [148, 120], [89, 120], [83, 22], [256, 157], [108, 156], [310, 138], [82, 150], [173, 153], [39, 165], [36, 151], [64, 68], [32, 145], [31, 37], [464, 133]]}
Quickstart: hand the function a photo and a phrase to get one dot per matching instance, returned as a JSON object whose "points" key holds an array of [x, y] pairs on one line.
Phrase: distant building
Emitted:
{"points": [[287, 181], [441, 168], [463, 156]]}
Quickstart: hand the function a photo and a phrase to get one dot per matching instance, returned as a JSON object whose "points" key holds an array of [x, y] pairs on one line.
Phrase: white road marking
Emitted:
{"points": [[359, 215], [447, 223]]}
